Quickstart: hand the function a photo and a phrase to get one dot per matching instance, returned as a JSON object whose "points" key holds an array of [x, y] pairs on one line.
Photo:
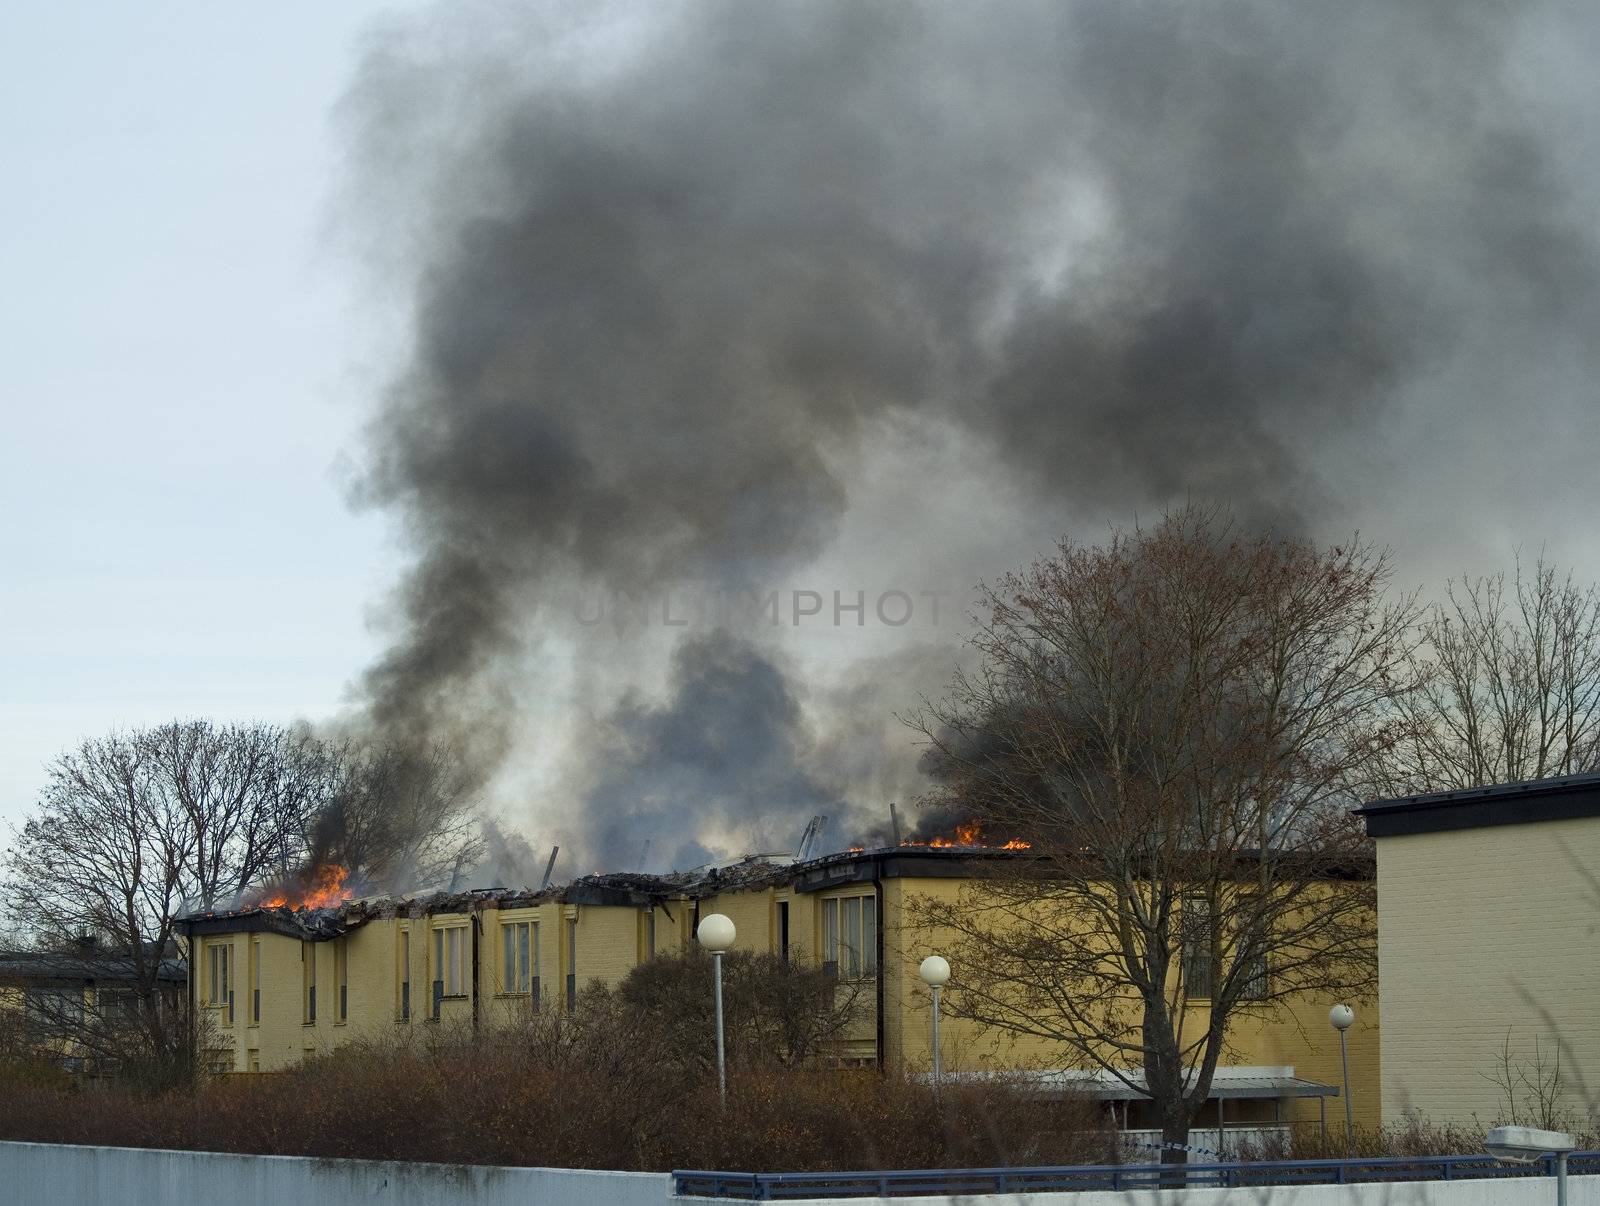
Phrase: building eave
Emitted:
{"points": [[1572, 797]]}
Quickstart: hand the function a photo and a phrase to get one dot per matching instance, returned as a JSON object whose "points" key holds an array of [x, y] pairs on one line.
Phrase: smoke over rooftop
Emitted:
{"points": [[680, 274]]}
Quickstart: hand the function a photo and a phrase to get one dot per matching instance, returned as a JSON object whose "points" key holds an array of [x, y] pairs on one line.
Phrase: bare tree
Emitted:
{"points": [[1532, 1089], [248, 794], [398, 817], [108, 854], [1509, 685], [1175, 721]]}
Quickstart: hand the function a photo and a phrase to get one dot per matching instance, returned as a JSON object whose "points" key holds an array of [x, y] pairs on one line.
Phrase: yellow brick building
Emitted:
{"points": [[274, 986], [70, 1006], [1488, 911]]}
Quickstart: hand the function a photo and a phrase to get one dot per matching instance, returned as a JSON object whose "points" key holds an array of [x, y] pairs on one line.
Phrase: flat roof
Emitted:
{"points": [[1566, 798]]}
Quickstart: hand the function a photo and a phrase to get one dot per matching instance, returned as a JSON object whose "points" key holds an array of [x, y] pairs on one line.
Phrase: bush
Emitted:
{"points": [[568, 1093]]}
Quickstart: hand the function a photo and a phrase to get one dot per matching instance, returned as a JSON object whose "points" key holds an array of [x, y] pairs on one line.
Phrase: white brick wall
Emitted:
{"points": [[1486, 933]]}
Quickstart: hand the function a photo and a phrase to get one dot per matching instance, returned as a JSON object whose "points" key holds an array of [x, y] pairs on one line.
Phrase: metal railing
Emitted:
{"points": [[769, 1187]]}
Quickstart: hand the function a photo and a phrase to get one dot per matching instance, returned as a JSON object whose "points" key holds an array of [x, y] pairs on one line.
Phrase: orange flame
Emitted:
{"points": [[968, 834], [323, 888]]}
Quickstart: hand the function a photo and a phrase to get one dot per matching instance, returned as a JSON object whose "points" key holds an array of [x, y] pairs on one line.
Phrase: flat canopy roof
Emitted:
{"points": [[1226, 1085], [1564, 799]]}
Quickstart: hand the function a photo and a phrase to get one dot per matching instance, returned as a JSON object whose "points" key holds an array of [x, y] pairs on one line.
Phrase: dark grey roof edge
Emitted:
{"points": [[1567, 797], [61, 966]]}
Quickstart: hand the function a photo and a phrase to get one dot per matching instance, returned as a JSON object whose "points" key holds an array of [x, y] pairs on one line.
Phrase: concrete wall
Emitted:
{"points": [[122, 1176], [1584, 1191], [1485, 935], [118, 1176]]}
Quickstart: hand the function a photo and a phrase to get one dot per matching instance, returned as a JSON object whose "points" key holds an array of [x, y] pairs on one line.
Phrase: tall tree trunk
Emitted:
{"points": [[1174, 1146]]}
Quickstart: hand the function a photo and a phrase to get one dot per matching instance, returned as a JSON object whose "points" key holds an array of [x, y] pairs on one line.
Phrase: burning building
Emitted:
{"points": [[277, 984]]}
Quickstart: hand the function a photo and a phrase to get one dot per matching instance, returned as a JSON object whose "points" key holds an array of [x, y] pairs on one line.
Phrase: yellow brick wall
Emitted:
{"points": [[753, 915], [1482, 934], [608, 943]]}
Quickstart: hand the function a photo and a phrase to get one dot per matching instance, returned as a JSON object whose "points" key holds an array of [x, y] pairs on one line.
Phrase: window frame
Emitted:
{"points": [[402, 974], [341, 981], [1196, 936], [448, 956], [253, 979], [308, 982], [572, 963], [850, 936], [519, 957], [219, 977]]}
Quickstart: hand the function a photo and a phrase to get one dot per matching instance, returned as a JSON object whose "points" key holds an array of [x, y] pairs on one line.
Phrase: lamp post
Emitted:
{"points": [[1525, 1144], [716, 934], [1341, 1017], [935, 972]]}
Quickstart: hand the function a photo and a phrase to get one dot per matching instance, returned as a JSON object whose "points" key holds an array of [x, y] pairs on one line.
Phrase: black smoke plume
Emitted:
{"points": [[726, 758], [674, 266]]}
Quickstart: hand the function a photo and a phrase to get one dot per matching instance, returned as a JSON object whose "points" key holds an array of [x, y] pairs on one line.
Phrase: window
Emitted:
{"points": [[117, 1004], [649, 934], [850, 936], [519, 958], [220, 986], [1255, 978], [53, 1012], [255, 981], [402, 968], [830, 936], [341, 979], [783, 931], [308, 981], [1196, 933], [448, 980], [572, 964]]}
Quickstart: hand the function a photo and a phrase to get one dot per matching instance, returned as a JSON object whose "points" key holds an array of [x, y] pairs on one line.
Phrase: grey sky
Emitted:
{"points": [[181, 367], [195, 333]]}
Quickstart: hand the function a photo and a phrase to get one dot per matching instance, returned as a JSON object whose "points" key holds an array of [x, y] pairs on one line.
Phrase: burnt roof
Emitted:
{"points": [[640, 889], [1528, 802]]}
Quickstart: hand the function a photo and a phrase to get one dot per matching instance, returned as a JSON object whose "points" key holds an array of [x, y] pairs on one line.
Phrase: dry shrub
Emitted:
{"points": [[572, 1094]]}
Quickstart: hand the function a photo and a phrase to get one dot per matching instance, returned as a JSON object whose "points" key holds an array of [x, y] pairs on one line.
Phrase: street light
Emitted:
{"points": [[716, 934], [1341, 1017], [935, 973], [1525, 1144]]}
